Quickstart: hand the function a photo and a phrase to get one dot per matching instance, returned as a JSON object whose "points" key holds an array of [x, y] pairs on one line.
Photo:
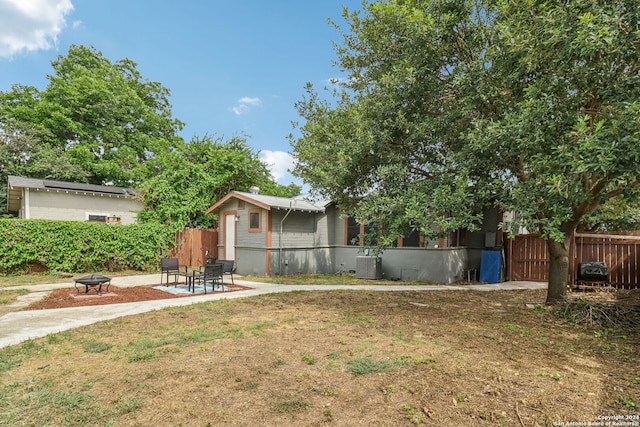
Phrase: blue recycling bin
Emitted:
{"points": [[490, 266]]}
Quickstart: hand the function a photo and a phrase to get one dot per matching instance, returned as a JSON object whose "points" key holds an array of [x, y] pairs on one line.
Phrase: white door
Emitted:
{"points": [[230, 237]]}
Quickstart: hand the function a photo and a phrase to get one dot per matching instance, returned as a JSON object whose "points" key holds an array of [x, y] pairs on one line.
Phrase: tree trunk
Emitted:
{"points": [[558, 270]]}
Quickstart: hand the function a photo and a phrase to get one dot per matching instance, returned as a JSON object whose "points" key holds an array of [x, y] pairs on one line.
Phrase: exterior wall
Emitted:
{"points": [[303, 261], [314, 243], [251, 261], [244, 237], [302, 246], [335, 225], [446, 265], [61, 205], [487, 236], [251, 246]]}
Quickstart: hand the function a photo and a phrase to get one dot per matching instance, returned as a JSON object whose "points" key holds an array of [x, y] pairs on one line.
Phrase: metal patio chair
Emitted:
{"points": [[169, 267], [210, 273]]}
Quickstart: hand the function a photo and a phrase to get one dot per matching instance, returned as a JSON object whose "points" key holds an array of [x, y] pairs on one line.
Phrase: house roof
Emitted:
{"points": [[271, 202], [15, 184]]}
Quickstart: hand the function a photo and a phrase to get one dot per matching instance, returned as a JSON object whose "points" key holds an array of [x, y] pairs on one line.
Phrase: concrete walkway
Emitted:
{"points": [[19, 326]]}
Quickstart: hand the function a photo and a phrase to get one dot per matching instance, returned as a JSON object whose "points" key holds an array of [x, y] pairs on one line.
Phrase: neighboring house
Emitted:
{"points": [[269, 235], [32, 198]]}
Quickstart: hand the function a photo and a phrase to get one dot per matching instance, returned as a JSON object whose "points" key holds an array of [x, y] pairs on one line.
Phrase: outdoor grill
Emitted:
{"points": [[593, 272]]}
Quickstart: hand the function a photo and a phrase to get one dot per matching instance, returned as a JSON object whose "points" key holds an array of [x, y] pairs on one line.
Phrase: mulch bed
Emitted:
{"points": [[66, 297]]}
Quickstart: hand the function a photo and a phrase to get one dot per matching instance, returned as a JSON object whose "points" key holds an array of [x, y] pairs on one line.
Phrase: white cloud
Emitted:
{"points": [[27, 25], [279, 163], [245, 104]]}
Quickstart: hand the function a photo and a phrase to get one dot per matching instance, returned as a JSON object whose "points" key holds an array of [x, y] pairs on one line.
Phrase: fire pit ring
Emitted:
{"points": [[93, 281]]}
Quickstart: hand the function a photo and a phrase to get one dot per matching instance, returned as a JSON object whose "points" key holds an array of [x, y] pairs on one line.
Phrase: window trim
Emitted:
{"points": [[259, 213]]}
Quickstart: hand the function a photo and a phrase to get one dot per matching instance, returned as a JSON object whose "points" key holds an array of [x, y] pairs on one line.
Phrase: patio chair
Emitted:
{"points": [[169, 267], [210, 273], [228, 267]]}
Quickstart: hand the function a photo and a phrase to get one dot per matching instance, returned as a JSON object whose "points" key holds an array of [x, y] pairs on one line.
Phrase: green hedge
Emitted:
{"points": [[73, 246]]}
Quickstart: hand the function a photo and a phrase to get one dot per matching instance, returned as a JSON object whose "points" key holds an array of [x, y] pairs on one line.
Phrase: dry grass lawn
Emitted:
{"points": [[343, 358]]}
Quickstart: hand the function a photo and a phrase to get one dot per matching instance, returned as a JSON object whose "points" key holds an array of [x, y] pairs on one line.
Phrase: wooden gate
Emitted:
{"points": [[194, 245], [528, 258]]}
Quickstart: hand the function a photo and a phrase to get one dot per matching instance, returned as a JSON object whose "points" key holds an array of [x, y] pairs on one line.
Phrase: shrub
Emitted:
{"points": [[75, 246]]}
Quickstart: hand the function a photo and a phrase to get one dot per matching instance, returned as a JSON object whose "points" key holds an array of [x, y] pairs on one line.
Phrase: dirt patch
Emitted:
{"points": [[343, 358], [67, 297]]}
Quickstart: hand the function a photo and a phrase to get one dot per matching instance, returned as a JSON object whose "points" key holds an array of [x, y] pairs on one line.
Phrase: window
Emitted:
{"points": [[240, 204], [353, 232], [458, 238], [255, 224], [411, 239], [96, 217]]}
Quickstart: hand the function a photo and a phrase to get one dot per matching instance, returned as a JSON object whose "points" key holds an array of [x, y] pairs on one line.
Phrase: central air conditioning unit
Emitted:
{"points": [[368, 267]]}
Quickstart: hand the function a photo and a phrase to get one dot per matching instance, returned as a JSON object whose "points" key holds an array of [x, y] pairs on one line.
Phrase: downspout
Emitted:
{"points": [[280, 240]]}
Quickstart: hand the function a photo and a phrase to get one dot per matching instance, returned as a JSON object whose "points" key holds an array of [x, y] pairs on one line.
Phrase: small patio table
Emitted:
{"points": [[188, 280], [94, 281]]}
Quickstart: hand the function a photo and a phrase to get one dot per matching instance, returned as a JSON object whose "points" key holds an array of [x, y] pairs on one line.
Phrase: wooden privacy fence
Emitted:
{"points": [[528, 257], [194, 245]]}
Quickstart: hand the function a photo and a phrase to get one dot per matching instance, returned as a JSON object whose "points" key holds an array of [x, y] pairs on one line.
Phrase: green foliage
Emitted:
{"points": [[74, 246], [94, 346], [616, 214], [200, 173], [454, 106], [291, 406], [101, 122], [110, 121], [366, 365], [23, 153]]}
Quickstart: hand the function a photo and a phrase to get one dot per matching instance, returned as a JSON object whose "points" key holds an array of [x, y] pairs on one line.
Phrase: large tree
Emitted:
{"points": [[452, 105], [22, 153], [105, 116], [199, 173]]}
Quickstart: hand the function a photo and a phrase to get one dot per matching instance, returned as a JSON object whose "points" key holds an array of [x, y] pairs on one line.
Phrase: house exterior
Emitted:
{"points": [[32, 198], [269, 236]]}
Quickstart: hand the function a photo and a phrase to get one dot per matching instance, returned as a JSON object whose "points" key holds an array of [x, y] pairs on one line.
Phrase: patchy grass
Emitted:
{"points": [[43, 278], [462, 358], [8, 297], [332, 279]]}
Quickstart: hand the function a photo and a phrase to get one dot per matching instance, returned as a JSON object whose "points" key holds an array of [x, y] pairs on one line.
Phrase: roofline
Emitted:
{"points": [[96, 189], [247, 198], [235, 194]]}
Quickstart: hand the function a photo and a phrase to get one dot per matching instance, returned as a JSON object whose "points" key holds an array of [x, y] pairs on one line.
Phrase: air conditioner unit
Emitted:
{"points": [[368, 267]]}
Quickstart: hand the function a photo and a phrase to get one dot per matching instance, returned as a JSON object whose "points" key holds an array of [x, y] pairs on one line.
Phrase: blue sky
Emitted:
{"points": [[233, 67]]}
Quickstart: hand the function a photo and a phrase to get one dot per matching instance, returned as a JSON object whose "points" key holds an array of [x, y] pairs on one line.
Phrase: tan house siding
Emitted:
{"points": [[60, 205], [36, 198]]}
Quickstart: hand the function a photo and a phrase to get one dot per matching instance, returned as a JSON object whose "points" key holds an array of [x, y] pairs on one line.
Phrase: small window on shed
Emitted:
{"points": [[254, 221]]}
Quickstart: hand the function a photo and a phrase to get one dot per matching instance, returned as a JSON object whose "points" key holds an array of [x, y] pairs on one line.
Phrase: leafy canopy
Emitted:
{"points": [[199, 173], [22, 153], [101, 122], [108, 119], [454, 105]]}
